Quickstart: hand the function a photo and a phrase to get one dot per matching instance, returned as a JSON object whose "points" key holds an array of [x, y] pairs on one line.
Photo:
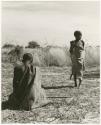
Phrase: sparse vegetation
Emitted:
{"points": [[53, 56], [69, 105], [8, 45], [33, 44]]}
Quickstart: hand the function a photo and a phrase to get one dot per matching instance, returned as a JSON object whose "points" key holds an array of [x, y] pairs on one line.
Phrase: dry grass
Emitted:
{"points": [[77, 106], [56, 56]]}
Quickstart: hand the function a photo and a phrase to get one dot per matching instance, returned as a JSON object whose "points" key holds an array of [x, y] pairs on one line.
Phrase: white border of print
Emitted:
{"points": [[1, 44]]}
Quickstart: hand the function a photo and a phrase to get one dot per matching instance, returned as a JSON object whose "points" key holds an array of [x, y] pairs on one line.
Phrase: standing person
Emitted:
{"points": [[27, 91], [77, 57]]}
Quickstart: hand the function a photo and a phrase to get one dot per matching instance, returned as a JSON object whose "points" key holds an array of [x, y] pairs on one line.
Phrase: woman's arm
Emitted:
{"points": [[16, 77], [71, 47]]}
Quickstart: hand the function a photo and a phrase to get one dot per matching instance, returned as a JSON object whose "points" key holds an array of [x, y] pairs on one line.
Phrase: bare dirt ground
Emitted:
{"points": [[69, 104]]}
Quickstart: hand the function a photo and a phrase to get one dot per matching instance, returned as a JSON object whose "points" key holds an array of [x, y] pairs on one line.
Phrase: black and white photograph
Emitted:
{"points": [[50, 62]]}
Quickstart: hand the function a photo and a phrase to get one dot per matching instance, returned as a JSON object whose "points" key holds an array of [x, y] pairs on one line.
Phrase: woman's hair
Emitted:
{"points": [[76, 33], [27, 57]]}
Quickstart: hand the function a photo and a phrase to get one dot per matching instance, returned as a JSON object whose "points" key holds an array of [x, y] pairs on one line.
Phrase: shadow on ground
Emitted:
{"points": [[92, 75], [6, 105], [56, 87]]}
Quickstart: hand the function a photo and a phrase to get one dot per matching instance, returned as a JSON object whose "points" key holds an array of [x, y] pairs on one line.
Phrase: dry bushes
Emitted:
{"points": [[92, 56], [58, 56]]}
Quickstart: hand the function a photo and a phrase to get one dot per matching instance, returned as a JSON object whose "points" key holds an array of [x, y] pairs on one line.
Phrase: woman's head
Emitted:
{"points": [[78, 35], [27, 58]]}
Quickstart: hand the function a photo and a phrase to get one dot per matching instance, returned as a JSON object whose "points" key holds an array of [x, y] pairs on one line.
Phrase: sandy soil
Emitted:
{"points": [[69, 104]]}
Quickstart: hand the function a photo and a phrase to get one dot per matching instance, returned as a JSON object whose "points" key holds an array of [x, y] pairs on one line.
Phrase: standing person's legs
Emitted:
{"points": [[80, 68], [80, 81], [75, 80], [80, 78], [71, 76]]}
